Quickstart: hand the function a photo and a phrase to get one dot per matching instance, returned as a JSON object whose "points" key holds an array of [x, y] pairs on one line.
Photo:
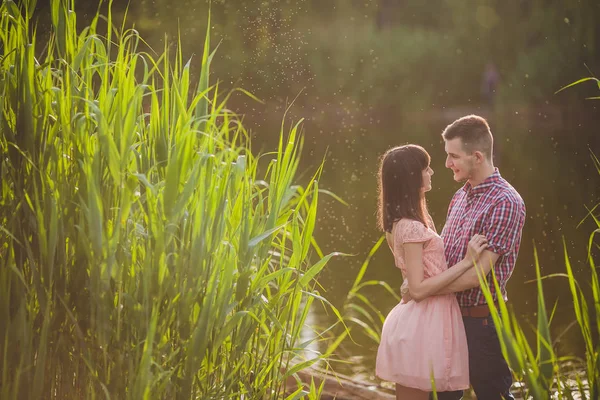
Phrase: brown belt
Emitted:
{"points": [[481, 311]]}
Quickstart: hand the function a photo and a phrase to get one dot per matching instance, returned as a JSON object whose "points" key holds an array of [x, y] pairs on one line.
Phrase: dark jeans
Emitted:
{"points": [[488, 372]]}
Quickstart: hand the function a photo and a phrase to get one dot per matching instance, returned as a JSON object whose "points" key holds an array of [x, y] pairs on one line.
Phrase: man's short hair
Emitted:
{"points": [[474, 132]]}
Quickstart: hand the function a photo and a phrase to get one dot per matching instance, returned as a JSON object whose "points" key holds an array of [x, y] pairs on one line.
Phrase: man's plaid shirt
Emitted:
{"points": [[494, 209]]}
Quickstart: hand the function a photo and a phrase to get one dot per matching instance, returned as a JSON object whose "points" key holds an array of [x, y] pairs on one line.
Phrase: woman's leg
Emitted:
{"points": [[406, 393]]}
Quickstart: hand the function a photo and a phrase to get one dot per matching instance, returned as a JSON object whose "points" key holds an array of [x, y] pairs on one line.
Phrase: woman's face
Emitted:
{"points": [[427, 173]]}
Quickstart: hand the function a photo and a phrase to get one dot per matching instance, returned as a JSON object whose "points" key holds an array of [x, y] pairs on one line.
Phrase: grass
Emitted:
{"points": [[143, 253], [545, 373]]}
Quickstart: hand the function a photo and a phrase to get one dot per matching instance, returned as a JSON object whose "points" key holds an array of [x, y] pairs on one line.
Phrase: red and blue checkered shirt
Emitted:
{"points": [[494, 209]]}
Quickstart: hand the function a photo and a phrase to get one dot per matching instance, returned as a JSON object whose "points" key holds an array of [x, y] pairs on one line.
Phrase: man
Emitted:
{"points": [[488, 205]]}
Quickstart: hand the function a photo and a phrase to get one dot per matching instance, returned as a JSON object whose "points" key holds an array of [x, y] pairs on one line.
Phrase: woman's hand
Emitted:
{"points": [[477, 244], [404, 291]]}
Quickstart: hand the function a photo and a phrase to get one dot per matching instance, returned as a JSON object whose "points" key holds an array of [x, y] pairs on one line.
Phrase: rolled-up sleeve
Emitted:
{"points": [[503, 226]]}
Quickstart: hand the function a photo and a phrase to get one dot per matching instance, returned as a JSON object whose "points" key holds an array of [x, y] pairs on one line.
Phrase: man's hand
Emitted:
{"points": [[404, 292]]}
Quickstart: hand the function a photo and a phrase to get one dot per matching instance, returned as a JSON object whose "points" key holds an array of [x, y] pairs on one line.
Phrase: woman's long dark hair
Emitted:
{"points": [[400, 183]]}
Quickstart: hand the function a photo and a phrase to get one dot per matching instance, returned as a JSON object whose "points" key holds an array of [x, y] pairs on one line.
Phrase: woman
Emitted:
{"points": [[424, 338]]}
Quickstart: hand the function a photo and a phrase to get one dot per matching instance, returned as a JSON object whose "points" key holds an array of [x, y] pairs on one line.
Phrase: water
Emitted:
{"points": [[548, 162]]}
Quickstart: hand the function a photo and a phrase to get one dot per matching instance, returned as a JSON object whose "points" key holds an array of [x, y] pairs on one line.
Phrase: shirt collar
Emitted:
{"points": [[483, 187]]}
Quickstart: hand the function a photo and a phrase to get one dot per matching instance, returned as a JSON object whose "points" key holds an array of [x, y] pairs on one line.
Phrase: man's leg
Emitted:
{"points": [[457, 395], [489, 373]]}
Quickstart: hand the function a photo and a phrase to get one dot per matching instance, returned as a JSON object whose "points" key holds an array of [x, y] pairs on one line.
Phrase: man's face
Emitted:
{"points": [[461, 163]]}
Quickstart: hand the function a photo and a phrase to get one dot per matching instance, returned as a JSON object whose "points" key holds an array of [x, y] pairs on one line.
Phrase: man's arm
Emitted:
{"points": [[501, 228], [469, 279]]}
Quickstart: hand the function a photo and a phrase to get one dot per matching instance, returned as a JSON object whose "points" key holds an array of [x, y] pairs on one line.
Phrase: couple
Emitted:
{"points": [[433, 331]]}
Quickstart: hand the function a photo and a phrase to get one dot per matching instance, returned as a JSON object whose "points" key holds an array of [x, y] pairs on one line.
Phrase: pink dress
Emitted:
{"points": [[421, 339]]}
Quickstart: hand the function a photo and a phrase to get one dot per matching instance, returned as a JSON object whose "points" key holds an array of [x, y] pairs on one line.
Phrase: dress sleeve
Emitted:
{"points": [[413, 232]]}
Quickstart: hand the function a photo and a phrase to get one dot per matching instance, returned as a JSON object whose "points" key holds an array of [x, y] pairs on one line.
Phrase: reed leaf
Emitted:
{"points": [[544, 342]]}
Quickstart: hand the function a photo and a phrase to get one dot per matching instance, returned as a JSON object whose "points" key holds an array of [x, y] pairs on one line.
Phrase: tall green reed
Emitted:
{"points": [[545, 373], [359, 311], [143, 253]]}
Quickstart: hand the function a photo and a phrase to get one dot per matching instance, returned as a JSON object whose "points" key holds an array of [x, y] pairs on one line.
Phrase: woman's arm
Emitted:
{"points": [[420, 288]]}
